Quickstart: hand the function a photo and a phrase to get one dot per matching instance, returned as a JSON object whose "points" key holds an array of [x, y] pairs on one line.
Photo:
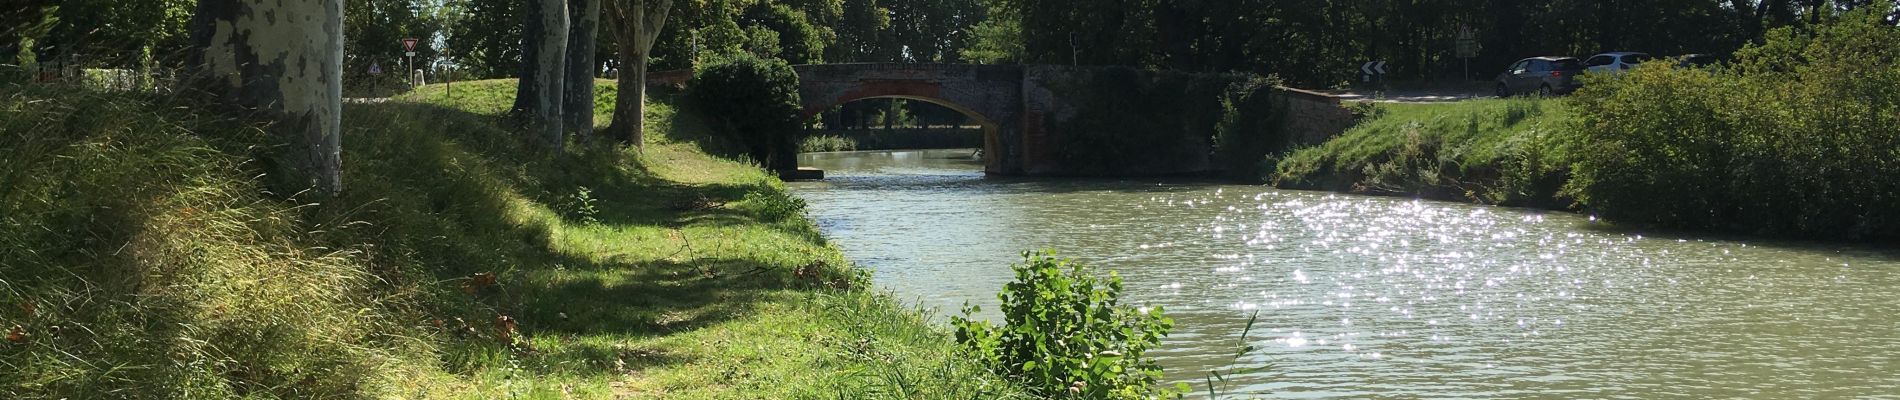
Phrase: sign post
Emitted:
{"points": [[375, 70], [409, 50], [1373, 73], [1467, 47]]}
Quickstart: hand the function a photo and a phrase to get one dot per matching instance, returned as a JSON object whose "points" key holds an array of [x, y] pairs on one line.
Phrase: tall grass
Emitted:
{"points": [[143, 257], [142, 260]]}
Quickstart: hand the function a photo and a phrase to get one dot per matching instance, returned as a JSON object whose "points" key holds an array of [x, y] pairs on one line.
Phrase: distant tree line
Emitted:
{"points": [[1306, 42], [1321, 43]]}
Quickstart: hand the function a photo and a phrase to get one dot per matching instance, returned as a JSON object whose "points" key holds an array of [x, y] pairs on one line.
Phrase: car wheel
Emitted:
{"points": [[1504, 90], [1545, 91]]}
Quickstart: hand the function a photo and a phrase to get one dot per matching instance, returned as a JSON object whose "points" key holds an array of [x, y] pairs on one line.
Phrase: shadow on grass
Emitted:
{"points": [[458, 198], [653, 298]]}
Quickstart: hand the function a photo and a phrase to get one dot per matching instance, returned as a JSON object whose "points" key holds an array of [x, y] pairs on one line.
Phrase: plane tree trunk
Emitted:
{"points": [[637, 25], [284, 60], [584, 27], [538, 95]]}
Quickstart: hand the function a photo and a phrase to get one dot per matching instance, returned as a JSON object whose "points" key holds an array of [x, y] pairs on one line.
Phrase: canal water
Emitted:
{"points": [[1388, 297]]}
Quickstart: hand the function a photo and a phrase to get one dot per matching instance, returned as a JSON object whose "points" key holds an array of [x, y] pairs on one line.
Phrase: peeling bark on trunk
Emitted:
{"points": [[630, 101], [538, 97], [584, 20], [283, 59], [638, 25]]}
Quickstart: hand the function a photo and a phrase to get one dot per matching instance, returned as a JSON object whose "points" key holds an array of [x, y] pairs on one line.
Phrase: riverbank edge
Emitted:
{"points": [[832, 140], [1499, 152], [472, 266], [1509, 152]]}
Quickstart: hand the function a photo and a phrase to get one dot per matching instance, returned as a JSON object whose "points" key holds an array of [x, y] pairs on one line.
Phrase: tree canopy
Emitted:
{"points": [[1315, 42]]}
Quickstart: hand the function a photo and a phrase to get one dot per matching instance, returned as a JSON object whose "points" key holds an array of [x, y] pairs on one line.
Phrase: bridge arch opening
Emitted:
{"points": [[990, 130]]}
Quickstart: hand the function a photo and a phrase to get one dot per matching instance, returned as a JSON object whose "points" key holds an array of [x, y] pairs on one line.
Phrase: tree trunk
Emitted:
{"points": [[584, 20], [630, 101], [282, 59], [638, 24], [538, 96], [890, 114]]}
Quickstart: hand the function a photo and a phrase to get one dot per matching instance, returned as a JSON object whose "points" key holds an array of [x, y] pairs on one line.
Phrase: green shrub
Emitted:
{"points": [[581, 206], [1065, 333], [1247, 132], [772, 204], [824, 143], [752, 102], [1799, 137]]}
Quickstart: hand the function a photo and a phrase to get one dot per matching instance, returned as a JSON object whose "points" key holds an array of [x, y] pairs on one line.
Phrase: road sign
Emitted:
{"points": [[375, 68], [410, 54], [409, 45], [1467, 42], [1373, 68]]}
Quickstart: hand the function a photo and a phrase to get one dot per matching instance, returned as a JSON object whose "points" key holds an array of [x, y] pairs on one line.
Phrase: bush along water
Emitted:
{"points": [[752, 104], [1801, 136], [1067, 335]]}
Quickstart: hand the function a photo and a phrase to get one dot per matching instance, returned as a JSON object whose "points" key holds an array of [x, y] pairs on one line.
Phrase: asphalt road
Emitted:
{"points": [[1411, 95]]}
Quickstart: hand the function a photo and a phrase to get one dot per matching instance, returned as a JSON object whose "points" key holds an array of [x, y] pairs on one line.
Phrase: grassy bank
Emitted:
{"points": [[1490, 151], [144, 258]]}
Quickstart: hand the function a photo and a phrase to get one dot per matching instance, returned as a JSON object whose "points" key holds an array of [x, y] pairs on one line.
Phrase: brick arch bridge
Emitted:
{"points": [[1016, 106], [990, 94]]}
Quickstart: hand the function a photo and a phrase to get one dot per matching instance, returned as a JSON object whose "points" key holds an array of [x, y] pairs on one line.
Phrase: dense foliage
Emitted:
{"points": [[1801, 136], [752, 103], [1249, 127], [373, 31], [1319, 44], [1067, 335], [1127, 121], [1796, 137]]}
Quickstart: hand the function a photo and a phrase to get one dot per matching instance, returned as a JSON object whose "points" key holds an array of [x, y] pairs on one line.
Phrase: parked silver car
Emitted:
{"points": [[1546, 76], [1614, 63]]}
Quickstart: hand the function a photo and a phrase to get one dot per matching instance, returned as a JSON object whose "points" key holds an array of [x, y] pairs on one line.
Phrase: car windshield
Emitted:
{"points": [[1566, 64]]}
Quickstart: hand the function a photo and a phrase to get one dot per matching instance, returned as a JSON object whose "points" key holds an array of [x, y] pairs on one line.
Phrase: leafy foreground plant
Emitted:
{"points": [[1066, 334]]}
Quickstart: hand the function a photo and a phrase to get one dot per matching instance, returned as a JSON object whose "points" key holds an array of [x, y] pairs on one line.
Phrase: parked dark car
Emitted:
{"points": [[1696, 60], [1546, 76]]}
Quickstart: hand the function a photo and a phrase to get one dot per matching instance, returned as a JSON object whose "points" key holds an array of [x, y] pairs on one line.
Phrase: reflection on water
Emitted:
{"points": [[1388, 297]]}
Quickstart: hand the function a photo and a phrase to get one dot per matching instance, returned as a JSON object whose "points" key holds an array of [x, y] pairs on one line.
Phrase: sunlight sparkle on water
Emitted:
{"points": [[1514, 274]]}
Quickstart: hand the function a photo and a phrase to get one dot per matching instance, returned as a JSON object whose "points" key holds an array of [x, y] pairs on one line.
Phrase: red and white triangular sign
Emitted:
{"points": [[409, 44]]}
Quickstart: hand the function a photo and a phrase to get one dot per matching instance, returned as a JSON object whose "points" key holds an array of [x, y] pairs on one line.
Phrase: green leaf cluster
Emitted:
{"points": [[1066, 334]]}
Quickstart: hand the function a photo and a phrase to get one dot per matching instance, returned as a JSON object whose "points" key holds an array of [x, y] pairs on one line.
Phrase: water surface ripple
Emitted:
{"points": [[1389, 297]]}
